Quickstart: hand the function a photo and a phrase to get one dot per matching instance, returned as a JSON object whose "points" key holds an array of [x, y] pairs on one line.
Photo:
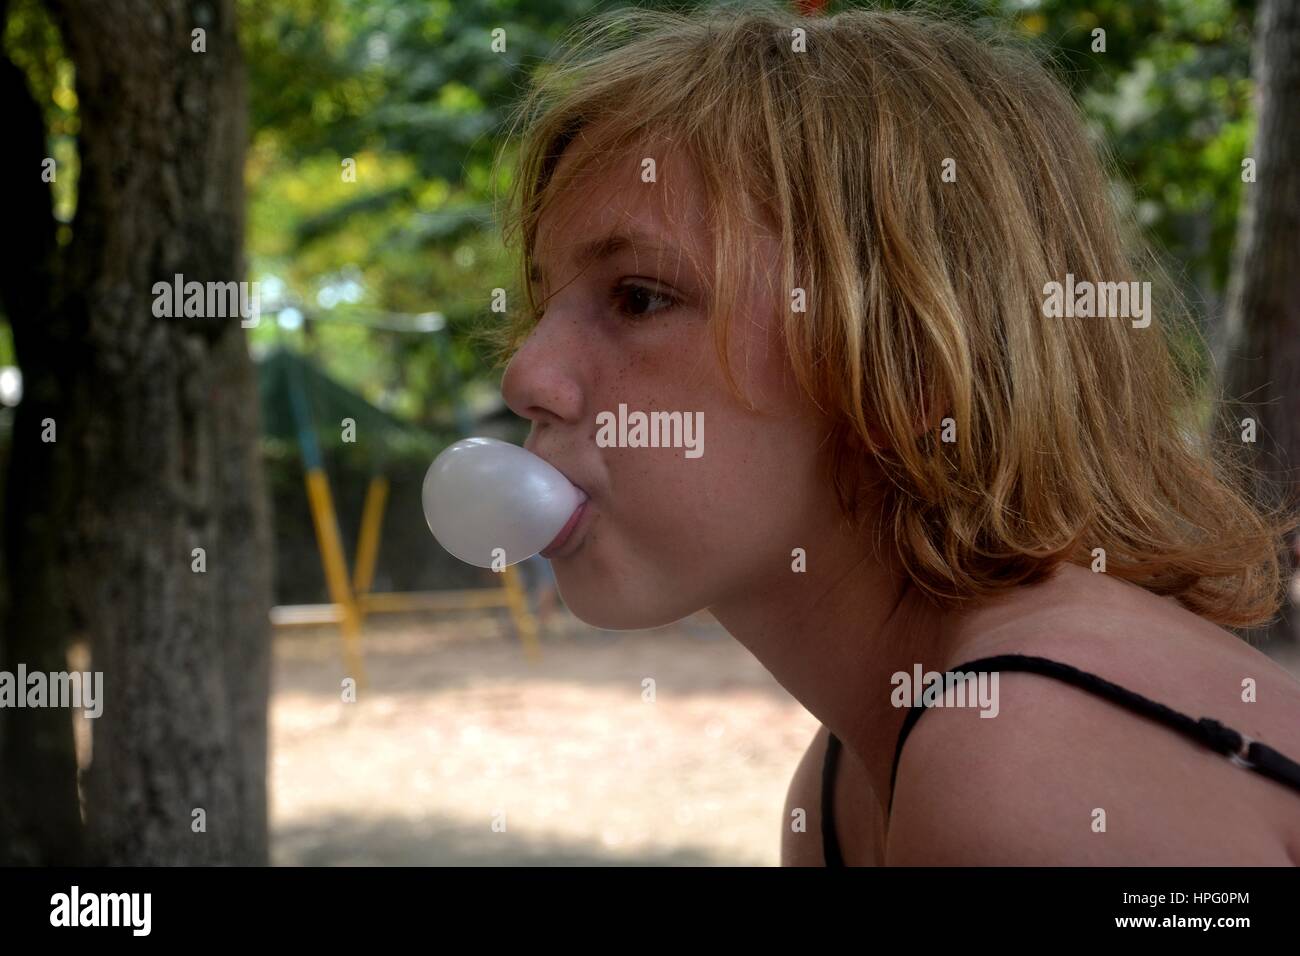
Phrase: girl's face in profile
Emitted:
{"points": [[624, 322]]}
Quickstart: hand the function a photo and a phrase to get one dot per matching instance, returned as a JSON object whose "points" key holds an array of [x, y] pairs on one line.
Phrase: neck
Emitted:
{"points": [[833, 636]]}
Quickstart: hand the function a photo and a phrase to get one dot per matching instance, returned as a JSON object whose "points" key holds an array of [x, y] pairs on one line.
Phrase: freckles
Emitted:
{"points": [[654, 487], [657, 362], [642, 381]]}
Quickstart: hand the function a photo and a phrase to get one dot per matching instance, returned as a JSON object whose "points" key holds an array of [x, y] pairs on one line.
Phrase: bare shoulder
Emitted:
{"points": [[1061, 776], [801, 842]]}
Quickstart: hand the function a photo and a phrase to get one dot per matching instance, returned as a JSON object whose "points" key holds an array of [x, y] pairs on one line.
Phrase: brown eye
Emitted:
{"points": [[634, 300]]}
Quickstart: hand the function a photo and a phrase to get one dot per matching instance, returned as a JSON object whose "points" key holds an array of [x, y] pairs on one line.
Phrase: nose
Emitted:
{"points": [[542, 382]]}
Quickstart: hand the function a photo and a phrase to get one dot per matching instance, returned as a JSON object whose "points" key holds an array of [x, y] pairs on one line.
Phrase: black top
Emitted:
{"points": [[1243, 751]]}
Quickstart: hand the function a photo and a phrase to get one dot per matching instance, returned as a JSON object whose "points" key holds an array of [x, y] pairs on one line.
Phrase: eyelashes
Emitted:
{"points": [[634, 301], [630, 300]]}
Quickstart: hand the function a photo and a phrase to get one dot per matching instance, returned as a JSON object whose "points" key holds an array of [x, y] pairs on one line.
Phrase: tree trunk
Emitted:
{"points": [[162, 432], [1262, 337]]}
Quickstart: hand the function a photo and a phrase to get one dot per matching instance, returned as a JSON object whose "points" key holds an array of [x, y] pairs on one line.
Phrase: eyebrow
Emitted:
{"points": [[603, 248]]}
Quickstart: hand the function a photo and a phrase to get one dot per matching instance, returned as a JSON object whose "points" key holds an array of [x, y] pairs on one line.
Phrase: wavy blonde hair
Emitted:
{"points": [[925, 297]]}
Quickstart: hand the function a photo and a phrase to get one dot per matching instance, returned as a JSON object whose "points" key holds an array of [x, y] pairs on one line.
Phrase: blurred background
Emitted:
{"points": [[226, 521]]}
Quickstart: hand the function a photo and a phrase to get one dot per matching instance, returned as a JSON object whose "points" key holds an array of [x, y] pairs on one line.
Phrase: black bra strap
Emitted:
{"points": [[830, 844], [1224, 740]]}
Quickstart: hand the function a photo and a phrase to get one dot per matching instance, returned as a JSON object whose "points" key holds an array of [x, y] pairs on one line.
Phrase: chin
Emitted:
{"points": [[595, 603]]}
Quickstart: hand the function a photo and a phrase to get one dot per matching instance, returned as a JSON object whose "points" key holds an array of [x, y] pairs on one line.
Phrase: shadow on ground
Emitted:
{"points": [[436, 841]]}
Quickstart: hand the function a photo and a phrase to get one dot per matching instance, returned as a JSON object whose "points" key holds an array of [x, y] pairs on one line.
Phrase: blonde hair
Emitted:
{"points": [[925, 297]]}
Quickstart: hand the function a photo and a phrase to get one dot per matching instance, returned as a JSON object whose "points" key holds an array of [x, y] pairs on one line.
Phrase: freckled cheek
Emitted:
{"points": [[661, 498], [647, 481], [640, 375], [657, 495], [647, 380]]}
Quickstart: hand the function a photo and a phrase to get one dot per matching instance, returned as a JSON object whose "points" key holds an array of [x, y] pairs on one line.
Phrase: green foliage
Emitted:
{"points": [[415, 97], [33, 43], [1178, 119]]}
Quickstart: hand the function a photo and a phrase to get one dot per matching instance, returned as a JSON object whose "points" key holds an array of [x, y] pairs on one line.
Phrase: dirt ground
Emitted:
{"points": [[457, 733]]}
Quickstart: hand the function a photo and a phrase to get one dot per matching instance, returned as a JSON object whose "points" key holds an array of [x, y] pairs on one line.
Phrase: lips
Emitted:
{"points": [[567, 531]]}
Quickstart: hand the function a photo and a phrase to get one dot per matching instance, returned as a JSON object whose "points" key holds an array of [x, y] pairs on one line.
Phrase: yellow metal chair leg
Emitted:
{"points": [[520, 613], [372, 520], [336, 570]]}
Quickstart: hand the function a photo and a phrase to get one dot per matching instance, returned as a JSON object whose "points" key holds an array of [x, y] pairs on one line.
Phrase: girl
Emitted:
{"points": [[834, 242]]}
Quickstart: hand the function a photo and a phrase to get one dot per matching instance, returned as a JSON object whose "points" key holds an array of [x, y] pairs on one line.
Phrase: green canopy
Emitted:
{"points": [[292, 389]]}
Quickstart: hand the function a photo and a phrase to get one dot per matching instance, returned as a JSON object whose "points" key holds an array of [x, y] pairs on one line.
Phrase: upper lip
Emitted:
{"points": [[586, 495], [563, 471]]}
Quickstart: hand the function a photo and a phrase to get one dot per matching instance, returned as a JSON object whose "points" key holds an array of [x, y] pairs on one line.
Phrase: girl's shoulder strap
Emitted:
{"points": [[1243, 751]]}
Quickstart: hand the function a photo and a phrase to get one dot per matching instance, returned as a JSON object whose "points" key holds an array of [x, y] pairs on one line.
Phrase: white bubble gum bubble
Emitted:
{"points": [[481, 494]]}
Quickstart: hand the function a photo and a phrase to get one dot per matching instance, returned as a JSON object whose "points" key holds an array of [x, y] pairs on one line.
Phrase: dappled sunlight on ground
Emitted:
{"points": [[457, 728]]}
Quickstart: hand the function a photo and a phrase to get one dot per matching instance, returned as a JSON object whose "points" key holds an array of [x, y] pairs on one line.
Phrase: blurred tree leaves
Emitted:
{"points": [[415, 95], [33, 43]]}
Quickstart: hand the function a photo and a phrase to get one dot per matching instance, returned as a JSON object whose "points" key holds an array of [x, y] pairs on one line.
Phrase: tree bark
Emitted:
{"points": [[162, 432], [1262, 330]]}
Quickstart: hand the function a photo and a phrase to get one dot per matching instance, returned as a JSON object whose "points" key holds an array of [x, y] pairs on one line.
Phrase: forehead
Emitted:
{"points": [[650, 195]]}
